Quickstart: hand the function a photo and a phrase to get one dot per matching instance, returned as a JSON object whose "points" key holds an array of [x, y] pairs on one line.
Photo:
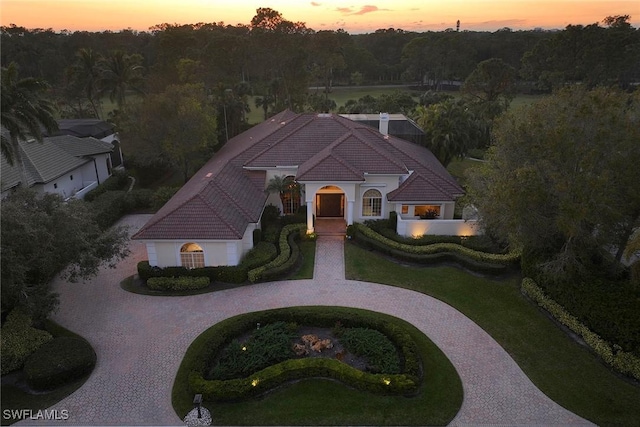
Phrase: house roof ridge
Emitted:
{"points": [[153, 220], [228, 196], [283, 138], [217, 214], [378, 149]]}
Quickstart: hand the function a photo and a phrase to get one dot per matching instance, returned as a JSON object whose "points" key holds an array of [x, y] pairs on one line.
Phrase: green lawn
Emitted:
{"points": [[561, 368], [308, 250], [324, 402]]}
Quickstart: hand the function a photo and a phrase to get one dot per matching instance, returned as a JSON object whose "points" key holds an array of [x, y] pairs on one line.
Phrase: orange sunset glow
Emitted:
{"points": [[354, 17]]}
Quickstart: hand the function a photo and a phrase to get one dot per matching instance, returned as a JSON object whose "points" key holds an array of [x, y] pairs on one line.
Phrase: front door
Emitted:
{"points": [[330, 205]]}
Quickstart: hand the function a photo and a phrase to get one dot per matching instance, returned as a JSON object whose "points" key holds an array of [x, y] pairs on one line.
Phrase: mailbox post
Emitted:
{"points": [[197, 400]]}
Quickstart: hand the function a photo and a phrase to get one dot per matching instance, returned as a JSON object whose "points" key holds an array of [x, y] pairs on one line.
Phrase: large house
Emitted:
{"points": [[64, 165], [345, 170]]}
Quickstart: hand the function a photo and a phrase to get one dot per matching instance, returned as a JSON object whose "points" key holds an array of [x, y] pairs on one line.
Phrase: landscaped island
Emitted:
{"points": [[369, 354]]}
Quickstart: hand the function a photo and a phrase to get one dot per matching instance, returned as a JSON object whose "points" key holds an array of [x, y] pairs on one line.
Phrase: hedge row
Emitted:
{"points": [[58, 362], [227, 274], [621, 361], [293, 369], [437, 258], [19, 340], [183, 283], [118, 181], [483, 257], [110, 206], [404, 383], [286, 259]]}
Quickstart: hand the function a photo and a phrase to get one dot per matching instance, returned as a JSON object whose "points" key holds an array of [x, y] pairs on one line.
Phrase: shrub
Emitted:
{"points": [[393, 220], [231, 274], [266, 346], [256, 383], [259, 255], [279, 265], [119, 180], [139, 199], [183, 283], [109, 207], [270, 215], [502, 259], [59, 361], [270, 234], [19, 340], [227, 274], [380, 353]]}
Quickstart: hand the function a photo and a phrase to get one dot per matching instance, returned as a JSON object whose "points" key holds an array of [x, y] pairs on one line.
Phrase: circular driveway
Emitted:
{"points": [[140, 341]]}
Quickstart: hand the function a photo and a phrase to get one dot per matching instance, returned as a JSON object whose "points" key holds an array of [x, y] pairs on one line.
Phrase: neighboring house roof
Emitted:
{"points": [[83, 128], [51, 159], [227, 194]]}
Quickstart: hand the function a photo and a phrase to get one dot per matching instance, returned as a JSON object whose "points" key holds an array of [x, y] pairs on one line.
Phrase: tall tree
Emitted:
{"points": [[85, 73], [41, 236], [450, 128], [24, 112], [120, 73], [177, 127], [562, 179]]}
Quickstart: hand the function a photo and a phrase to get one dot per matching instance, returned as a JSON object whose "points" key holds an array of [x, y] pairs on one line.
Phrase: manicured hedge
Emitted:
{"points": [[183, 283], [293, 369], [18, 340], [285, 260], [227, 274], [436, 248], [404, 383], [116, 182], [58, 362], [261, 254], [621, 361]]}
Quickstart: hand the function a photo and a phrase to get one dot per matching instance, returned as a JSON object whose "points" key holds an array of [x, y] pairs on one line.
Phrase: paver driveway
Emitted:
{"points": [[140, 341]]}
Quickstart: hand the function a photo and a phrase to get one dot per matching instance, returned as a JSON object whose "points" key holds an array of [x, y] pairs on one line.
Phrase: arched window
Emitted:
{"points": [[191, 256], [372, 203], [290, 196]]}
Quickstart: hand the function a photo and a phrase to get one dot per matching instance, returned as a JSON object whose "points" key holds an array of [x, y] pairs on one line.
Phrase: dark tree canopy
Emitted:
{"points": [[562, 180], [41, 236]]}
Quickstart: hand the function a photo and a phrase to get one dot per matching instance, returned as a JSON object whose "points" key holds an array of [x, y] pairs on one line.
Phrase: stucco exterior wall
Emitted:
{"points": [[439, 227], [216, 253]]}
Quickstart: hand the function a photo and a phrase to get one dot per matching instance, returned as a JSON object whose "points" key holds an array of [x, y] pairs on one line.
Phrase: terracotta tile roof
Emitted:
{"points": [[227, 194]]}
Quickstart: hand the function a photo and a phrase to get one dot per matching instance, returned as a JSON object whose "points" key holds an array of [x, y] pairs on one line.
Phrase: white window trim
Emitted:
{"points": [[382, 204]]}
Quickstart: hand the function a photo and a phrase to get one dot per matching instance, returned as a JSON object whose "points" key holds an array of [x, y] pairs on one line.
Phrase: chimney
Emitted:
{"points": [[384, 123]]}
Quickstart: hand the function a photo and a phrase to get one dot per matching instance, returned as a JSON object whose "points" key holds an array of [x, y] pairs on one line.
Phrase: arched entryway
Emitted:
{"points": [[330, 202]]}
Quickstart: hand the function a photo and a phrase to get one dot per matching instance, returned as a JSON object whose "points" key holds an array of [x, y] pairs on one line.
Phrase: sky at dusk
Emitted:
{"points": [[353, 16]]}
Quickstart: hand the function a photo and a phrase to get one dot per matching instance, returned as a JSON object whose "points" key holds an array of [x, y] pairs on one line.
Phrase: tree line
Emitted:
{"points": [[279, 59]]}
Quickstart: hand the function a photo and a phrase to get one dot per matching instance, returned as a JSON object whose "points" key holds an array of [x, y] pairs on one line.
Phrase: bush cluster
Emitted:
{"points": [[373, 345], [58, 362], [118, 181], [19, 340], [405, 383], [227, 274], [183, 283], [266, 346], [110, 206], [261, 254], [454, 251], [624, 362], [286, 259]]}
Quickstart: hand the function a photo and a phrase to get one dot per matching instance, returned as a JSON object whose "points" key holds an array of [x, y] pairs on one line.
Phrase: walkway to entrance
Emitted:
{"points": [[330, 226]]}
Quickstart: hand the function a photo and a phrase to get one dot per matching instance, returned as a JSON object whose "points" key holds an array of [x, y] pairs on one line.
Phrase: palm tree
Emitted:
{"points": [[450, 129], [287, 189], [86, 73], [24, 113], [119, 73]]}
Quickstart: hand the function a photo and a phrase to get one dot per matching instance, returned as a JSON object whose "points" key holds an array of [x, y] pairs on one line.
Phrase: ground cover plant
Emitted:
{"points": [[563, 369], [324, 402]]}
